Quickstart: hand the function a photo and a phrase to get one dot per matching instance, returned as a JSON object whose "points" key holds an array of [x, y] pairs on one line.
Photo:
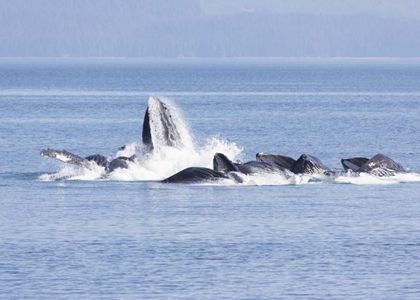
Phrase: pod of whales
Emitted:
{"points": [[379, 165], [223, 164], [159, 129]]}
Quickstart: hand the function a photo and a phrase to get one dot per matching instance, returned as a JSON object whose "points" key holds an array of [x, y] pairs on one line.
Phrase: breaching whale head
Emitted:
{"points": [[282, 161], [381, 165], [159, 128], [223, 164], [353, 163], [308, 164]]}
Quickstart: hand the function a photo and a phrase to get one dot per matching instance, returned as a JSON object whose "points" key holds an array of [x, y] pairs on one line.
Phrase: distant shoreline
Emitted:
{"points": [[195, 60]]}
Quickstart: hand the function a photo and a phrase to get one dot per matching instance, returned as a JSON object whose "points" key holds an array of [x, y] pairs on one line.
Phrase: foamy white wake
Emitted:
{"points": [[365, 178], [165, 161]]}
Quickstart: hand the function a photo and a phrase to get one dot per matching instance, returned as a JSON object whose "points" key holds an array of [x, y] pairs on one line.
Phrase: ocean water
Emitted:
{"points": [[66, 232]]}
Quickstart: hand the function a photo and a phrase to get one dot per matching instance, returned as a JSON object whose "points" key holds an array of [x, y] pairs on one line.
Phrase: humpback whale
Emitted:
{"points": [[379, 165], [200, 175], [308, 164], [158, 119], [282, 161], [223, 164], [196, 175], [89, 161], [305, 164], [159, 129], [353, 163]]}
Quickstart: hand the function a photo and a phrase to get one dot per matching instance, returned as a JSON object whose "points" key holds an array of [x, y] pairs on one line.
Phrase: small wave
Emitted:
{"points": [[70, 172], [365, 178]]}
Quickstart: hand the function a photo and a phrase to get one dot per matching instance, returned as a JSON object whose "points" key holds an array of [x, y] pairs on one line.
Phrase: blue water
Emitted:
{"points": [[130, 236]]}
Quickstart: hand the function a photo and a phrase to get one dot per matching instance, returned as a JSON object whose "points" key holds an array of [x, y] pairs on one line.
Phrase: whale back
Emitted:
{"points": [[117, 163], [100, 160], [195, 175]]}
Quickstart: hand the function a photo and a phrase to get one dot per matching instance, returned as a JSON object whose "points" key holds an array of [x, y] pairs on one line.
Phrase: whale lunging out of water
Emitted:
{"points": [[158, 120], [379, 165], [305, 164], [223, 164], [159, 130]]}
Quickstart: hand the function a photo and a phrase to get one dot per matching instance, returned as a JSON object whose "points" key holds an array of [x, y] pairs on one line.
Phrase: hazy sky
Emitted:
{"points": [[406, 9]]}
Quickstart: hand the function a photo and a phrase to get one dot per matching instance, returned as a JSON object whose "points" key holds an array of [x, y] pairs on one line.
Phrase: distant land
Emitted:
{"points": [[209, 29]]}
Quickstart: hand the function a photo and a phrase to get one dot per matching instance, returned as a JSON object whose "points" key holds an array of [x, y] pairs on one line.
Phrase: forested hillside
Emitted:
{"points": [[166, 28]]}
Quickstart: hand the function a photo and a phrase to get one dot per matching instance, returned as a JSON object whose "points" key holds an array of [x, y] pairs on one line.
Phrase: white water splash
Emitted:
{"points": [[365, 178], [163, 161], [72, 172]]}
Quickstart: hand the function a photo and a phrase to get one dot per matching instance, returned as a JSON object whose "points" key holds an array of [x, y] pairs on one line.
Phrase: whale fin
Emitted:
{"points": [[223, 164], [65, 156]]}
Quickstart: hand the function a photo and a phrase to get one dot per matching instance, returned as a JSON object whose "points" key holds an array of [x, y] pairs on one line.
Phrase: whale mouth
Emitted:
{"points": [[159, 128]]}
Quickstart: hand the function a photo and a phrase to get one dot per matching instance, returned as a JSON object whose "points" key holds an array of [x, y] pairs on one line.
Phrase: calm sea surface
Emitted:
{"points": [[132, 237]]}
